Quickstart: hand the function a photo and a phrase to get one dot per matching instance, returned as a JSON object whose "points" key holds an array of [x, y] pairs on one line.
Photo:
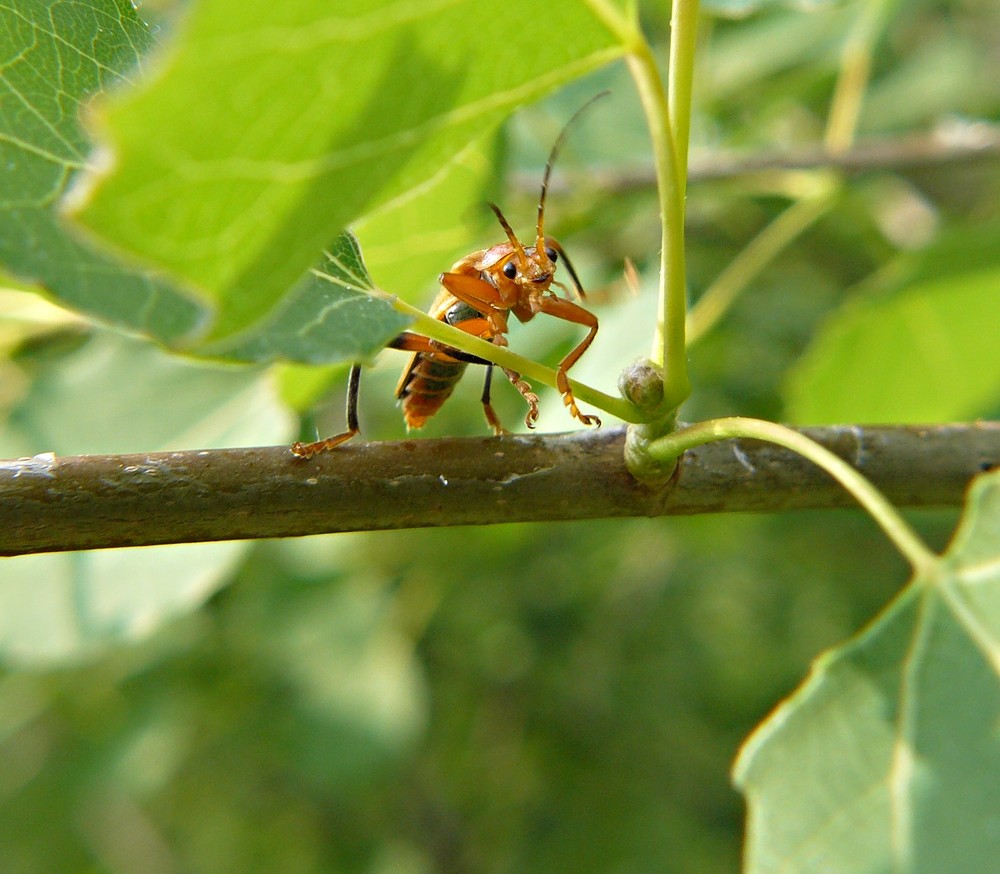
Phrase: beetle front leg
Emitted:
{"points": [[515, 380], [571, 312], [484, 298]]}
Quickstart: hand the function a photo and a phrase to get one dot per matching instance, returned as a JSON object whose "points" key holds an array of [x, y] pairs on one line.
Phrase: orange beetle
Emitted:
{"points": [[477, 295]]}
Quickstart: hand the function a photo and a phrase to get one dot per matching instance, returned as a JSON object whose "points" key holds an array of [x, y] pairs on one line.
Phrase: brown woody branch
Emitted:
{"points": [[92, 502], [964, 145]]}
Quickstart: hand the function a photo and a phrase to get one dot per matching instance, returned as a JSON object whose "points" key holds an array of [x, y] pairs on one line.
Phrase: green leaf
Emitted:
{"points": [[58, 56], [410, 242], [52, 57], [886, 758], [113, 394], [925, 354], [328, 316], [279, 124]]}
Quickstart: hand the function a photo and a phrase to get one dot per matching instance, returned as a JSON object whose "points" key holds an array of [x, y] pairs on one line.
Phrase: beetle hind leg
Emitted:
{"points": [[491, 415], [308, 450]]}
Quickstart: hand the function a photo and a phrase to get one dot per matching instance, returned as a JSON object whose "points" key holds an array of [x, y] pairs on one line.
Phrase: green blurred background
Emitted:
{"points": [[513, 698]]}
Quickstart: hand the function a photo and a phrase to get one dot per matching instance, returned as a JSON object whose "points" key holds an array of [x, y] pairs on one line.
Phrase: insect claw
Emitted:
{"points": [[574, 411], [493, 420], [531, 417], [308, 450]]}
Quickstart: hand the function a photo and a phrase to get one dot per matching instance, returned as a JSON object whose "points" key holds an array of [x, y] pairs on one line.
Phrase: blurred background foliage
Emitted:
{"points": [[513, 698]]}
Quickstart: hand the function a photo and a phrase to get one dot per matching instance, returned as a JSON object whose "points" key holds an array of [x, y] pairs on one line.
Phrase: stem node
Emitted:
{"points": [[642, 384]]}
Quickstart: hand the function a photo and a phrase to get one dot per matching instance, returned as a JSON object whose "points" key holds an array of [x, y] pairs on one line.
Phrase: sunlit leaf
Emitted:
{"points": [[886, 758], [61, 55], [410, 242], [328, 316], [288, 121]]}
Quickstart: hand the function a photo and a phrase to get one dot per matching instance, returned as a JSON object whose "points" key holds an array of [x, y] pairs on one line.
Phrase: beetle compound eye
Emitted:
{"points": [[552, 253], [510, 270]]}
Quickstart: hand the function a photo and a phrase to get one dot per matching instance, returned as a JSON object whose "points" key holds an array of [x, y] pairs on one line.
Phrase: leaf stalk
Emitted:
{"points": [[668, 449]]}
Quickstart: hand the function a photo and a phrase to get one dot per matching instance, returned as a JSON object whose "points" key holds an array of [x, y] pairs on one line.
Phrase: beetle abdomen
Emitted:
{"points": [[426, 384]]}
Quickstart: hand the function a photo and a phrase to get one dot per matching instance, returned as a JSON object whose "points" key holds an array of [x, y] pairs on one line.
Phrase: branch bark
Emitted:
{"points": [[973, 143], [52, 503], [960, 146]]}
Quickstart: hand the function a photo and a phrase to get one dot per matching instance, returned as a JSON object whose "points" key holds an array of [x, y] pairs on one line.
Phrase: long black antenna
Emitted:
{"points": [[540, 243]]}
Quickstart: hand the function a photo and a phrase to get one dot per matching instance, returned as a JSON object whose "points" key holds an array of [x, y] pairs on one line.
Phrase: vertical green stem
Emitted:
{"points": [[669, 119], [855, 71], [671, 199], [680, 82]]}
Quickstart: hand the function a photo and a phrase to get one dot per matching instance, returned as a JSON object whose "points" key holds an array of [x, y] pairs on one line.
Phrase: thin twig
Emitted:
{"points": [[89, 502], [966, 144]]}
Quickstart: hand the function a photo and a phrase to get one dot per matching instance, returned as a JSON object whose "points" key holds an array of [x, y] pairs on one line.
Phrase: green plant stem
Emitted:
{"points": [[680, 83], [855, 71], [669, 159], [668, 448], [748, 264], [435, 329]]}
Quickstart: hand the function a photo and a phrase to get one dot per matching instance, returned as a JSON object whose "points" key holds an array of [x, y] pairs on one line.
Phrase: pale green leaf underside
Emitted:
{"points": [[410, 243], [886, 759], [115, 394], [288, 121]]}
